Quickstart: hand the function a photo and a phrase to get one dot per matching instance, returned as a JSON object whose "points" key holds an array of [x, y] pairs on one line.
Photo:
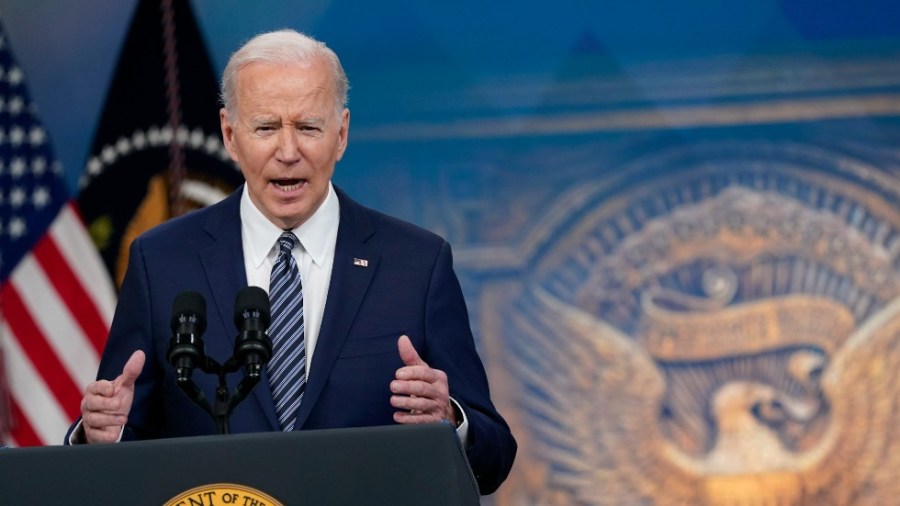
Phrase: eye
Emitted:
{"points": [[264, 127]]}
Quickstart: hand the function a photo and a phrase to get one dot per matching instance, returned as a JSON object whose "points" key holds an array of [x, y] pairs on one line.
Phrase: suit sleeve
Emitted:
{"points": [[132, 329], [450, 347]]}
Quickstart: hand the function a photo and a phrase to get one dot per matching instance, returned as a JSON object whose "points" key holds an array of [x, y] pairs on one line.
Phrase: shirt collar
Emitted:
{"points": [[314, 234]]}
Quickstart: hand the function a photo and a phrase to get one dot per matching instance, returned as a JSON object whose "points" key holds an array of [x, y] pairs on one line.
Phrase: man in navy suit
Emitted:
{"points": [[387, 334]]}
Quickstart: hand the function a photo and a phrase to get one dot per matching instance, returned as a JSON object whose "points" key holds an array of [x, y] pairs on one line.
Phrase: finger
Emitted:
{"points": [[100, 404], [104, 420], [408, 353], [413, 387], [103, 438], [432, 401], [132, 370], [101, 388], [417, 404], [414, 416], [408, 418]]}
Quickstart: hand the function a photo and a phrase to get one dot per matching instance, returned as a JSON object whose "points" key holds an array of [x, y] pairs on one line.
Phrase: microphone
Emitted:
{"points": [[253, 348], [188, 324]]}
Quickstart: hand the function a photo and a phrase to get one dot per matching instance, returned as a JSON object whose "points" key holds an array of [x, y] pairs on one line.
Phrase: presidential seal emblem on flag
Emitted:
{"points": [[157, 152]]}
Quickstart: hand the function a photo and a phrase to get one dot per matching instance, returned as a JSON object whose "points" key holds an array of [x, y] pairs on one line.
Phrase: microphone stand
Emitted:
{"points": [[225, 401]]}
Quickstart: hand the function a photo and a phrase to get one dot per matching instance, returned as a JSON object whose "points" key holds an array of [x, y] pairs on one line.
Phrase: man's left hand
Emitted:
{"points": [[421, 394]]}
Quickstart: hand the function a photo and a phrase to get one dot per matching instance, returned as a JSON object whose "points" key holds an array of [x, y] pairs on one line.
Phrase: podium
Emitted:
{"points": [[390, 465]]}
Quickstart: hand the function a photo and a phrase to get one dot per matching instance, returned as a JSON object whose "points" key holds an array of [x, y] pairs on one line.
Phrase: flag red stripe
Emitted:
{"points": [[39, 351], [71, 291], [22, 431]]}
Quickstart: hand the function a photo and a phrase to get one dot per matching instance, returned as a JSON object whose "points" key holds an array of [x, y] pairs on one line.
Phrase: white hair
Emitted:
{"points": [[282, 47]]}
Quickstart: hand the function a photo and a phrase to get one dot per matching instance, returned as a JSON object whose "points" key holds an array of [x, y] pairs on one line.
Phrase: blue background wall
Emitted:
{"points": [[555, 144], [413, 61]]}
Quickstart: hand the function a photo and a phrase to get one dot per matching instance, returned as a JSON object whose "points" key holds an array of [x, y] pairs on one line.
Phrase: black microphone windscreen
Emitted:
{"points": [[189, 302], [253, 299]]}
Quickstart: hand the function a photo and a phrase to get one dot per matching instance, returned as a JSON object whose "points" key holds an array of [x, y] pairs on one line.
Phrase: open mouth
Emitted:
{"points": [[288, 184]]}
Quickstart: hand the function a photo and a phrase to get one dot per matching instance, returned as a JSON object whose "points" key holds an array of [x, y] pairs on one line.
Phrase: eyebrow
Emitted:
{"points": [[311, 121], [276, 121], [263, 121]]}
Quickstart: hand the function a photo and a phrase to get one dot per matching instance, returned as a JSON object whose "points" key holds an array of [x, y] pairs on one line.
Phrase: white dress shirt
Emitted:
{"points": [[314, 255]]}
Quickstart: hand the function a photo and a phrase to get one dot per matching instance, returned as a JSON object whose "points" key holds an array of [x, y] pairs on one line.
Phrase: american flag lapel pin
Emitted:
{"points": [[360, 262]]}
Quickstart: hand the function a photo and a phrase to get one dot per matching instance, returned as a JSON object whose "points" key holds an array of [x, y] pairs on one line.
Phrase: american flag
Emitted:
{"points": [[56, 297]]}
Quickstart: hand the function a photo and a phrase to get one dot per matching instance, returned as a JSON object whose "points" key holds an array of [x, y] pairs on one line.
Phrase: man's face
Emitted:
{"points": [[286, 137]]}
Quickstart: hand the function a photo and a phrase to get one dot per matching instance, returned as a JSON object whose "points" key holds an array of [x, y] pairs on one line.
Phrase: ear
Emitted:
{"points": [[344, 134], [227, 133]]}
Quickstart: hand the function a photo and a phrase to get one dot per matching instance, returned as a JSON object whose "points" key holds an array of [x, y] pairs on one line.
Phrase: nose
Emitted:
{"points": [[288, 146]]}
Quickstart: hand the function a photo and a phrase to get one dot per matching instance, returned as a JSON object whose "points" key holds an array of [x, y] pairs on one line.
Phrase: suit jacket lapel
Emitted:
{"points": [[226, 277], [348, 286]]}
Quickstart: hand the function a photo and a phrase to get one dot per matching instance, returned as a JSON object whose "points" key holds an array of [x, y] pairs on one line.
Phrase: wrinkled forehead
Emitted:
{"points": [[261, 81]]}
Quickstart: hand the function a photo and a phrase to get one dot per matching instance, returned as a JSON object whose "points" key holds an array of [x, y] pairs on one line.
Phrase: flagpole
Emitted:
{"points": [[173, 108]]}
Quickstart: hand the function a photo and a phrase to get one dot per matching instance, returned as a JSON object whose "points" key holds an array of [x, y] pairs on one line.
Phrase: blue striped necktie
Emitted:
{"points": [[287, 368]]}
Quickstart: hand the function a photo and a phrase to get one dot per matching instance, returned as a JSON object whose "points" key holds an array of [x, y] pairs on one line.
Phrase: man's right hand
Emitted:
{"points": [[105, 406]]}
